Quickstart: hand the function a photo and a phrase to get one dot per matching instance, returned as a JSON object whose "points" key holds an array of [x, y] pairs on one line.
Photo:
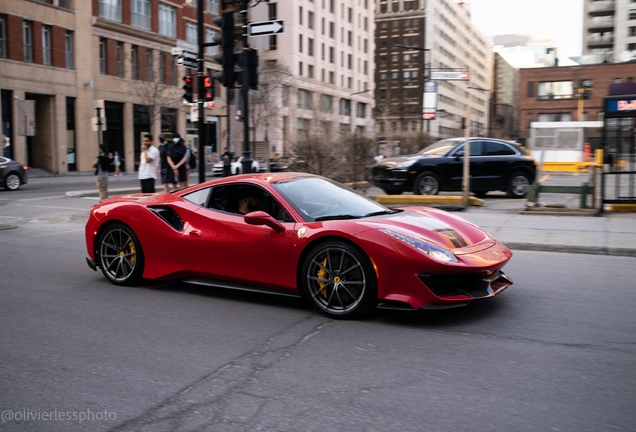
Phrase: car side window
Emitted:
{"points": [[476, 149], [199, 197], [243, 198], [498, 149]]}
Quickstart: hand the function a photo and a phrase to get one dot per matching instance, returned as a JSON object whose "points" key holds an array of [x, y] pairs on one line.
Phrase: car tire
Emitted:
{"points": [[12, 182], [516, 185], [392, 191], [426, 183], [120, 255], [339, 280], [480, 194]]}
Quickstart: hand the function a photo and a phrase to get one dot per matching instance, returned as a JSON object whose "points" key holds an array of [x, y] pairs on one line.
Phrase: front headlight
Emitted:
{"points": [[431, 250]]}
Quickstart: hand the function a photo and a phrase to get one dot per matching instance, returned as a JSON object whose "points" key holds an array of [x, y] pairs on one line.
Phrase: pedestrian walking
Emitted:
{"points": [[164, 168], [148, 165], [117, 162], [177, 159], [102, 171]]}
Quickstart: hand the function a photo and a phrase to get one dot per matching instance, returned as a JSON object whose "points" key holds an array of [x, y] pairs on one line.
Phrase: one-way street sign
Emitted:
{"points": [[265, 28], [188, 59]]}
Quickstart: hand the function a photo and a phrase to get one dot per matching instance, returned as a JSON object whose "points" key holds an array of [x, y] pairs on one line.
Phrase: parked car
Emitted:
{"points": [[237, 166], [494, 165], [12, 174], [297, 234]]}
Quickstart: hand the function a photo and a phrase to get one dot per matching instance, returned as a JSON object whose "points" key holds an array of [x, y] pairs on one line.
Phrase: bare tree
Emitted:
{"points": [[154, 96]]}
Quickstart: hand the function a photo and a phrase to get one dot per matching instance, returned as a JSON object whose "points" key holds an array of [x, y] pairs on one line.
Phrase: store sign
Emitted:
{"points": [[450, 75], [620, 106]]}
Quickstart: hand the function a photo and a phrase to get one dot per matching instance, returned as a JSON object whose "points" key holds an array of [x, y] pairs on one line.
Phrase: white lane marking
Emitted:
{"points": [[43, 198], [53, 207], [50, 234]]}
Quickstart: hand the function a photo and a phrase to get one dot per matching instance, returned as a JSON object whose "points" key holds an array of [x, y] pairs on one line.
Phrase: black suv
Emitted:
{"points": [[494, 165]]}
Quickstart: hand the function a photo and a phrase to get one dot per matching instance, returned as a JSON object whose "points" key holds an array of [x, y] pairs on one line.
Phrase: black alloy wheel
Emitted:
{"points": [[12, 182], [517, 185], [339, 280], [426, 183], [120, 255]]}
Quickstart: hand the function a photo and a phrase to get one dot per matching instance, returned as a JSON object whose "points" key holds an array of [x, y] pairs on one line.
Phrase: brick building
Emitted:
{"points": [[68, 55], [552, 94]]}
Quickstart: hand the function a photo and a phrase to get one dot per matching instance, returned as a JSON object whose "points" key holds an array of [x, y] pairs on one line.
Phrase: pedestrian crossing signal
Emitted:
{"points": [[208, 85], [187, 88]]}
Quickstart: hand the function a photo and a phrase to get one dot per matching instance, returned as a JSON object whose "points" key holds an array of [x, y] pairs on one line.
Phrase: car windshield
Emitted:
{"points": [[318, 199], [439, 148]]}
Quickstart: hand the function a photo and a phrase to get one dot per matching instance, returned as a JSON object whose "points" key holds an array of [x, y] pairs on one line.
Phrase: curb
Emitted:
{"points": [[455, 200], [94, 193], [588, 250]]}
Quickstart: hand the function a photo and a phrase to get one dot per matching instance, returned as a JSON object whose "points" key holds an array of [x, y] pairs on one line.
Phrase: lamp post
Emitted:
{"points": [[426, 73]]}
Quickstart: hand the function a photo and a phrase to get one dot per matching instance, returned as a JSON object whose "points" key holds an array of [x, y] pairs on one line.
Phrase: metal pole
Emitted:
{"points": [[466, 173], [245, 89], [99, 126], [201, 92]]}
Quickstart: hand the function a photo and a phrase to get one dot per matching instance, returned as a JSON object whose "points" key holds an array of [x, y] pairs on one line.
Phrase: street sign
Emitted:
{"points": [[429, 101], [450, 75], [176, 51], [266, 28], [188, 59]]}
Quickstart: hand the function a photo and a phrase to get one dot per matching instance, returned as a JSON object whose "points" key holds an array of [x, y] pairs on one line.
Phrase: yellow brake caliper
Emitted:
{"points": [[322, 274], [131, 246]]}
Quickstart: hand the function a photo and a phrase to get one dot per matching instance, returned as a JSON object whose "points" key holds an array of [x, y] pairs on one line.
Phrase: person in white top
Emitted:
{"points": [[148, 165]]}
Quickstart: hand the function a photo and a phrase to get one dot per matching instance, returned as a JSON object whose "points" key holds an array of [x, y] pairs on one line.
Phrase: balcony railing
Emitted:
{"points": [[602, 6]]}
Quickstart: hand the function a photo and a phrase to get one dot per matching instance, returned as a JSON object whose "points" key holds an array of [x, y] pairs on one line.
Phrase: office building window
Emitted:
{"points": [[361, 110], [332, 78], [332, 6], [120, 59], [102, 56], [304, 99], [27, 40], [46, 45], [300, 43], [191, 32], [310, 47], [310, 71], [149, 76], [331, 54], [167, 20], [3, 36], [332, 30], [310, 20], [300, 68], [140, 14], [134, 68], [212, 6], [68, 48], [110, 9], [285, 95], [350, 15], [349, 38], [300, 15]]}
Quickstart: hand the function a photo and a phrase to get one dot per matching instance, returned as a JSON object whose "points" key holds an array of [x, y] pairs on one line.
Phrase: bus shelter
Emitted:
{"points": [[618, 181]]}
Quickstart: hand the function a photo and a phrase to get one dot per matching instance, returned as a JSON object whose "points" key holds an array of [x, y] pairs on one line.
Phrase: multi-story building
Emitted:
{"points": [[504, 100], [71, 56], [317, 76], [609, 29], [434, 35], [527, 50], [568, 94]]}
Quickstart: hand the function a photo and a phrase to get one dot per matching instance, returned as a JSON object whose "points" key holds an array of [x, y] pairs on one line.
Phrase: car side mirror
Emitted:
{"points": [[261, 218], [459, 155]]}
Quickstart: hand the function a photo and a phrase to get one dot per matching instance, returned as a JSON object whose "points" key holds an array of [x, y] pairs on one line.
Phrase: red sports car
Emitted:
{"points": [[297, 234]]}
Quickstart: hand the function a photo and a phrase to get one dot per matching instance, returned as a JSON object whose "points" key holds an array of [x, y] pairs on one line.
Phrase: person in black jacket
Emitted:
{"points": [[177, 158]]}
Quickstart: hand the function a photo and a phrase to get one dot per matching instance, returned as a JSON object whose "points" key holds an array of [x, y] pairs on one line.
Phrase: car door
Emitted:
{"points": [[222, 245], [455, 165], [498, 161], [478, 172]]}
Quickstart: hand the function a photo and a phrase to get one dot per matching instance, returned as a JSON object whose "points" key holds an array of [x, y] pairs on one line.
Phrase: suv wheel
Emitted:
{"points": [[426, 183]]}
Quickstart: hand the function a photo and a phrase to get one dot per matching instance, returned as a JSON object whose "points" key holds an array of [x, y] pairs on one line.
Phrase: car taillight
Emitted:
{"points": [[25, 167]]}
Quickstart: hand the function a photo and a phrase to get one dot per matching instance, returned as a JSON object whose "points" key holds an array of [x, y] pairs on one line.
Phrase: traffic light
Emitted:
{"points": [[208, 85], [463, 123], [187, 88], [251, 66], [227, 58]]}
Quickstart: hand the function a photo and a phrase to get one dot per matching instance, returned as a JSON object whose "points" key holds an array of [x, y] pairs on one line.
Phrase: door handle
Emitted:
{"points": [[195, 233]]}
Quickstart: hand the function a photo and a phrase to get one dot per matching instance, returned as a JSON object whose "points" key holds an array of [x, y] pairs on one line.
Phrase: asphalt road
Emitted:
{"points": [[553, 352]]}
